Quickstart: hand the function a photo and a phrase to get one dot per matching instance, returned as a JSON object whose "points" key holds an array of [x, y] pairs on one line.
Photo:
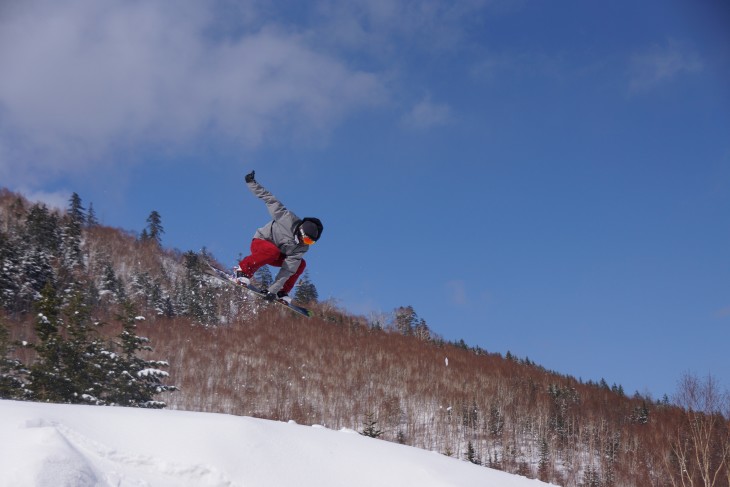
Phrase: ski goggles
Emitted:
{"points": [[305, 239]]}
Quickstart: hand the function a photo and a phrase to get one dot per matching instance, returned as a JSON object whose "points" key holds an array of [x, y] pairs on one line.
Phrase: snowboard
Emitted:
{"points": [[252, 289]]}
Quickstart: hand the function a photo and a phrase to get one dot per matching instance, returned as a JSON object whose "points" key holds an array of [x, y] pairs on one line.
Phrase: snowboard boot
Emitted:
{"points": [[241, 278]]}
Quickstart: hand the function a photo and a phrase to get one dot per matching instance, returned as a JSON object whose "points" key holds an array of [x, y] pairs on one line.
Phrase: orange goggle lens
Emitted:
{"points": [[304, 238]]}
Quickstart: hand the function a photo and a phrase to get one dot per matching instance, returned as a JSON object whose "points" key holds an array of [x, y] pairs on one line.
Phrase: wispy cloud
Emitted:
{"points": [[660, 64], [58, 199], [457, 292], [427, 114], [83, 79]]}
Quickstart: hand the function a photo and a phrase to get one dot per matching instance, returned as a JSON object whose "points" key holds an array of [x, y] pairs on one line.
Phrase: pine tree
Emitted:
{"points": [[9, 272], [36, 273], [41, 229], [471, 454], [73, 226], [91, 220], [370, 427], [154, 228], [135, 381], [306, 291], [48, 381], [263, 277], [111, 287], [197, 297], [83, 353], [406, 320]]}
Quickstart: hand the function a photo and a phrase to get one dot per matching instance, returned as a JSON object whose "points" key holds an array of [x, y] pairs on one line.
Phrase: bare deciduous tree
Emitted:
{"points": [[700, 444]]}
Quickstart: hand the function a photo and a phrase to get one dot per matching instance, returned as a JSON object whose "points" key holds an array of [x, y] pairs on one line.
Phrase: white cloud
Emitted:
{"points": [[660, 64], [56, 199], [83, 79], [426, 114]]}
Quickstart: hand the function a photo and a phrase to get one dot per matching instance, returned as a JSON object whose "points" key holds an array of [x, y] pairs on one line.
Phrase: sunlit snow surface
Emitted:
{"points": [[51, 445]]}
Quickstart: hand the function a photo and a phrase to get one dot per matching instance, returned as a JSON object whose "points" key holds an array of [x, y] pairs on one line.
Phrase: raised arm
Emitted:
{"points": [[276, 209]]}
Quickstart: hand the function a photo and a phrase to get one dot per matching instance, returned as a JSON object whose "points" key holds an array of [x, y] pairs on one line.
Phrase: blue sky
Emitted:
{"points": [[548, 178]]}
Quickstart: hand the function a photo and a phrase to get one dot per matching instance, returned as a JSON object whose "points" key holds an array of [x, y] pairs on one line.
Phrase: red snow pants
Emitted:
{"points": [[264, 253]]}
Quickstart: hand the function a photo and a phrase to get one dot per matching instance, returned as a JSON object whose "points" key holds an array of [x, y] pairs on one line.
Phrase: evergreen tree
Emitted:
{"points": [[9, 272], [306, 291], [370, 427], [263, 277], [641, 414], [496, 421], [41, 229], [83, 354], [154, 228], [73, 226], [48, 381], [91, 220], [197, 296], [111, 287], [471, 454], [147, 293], [36, 273], [406, 320], [135, 381]]}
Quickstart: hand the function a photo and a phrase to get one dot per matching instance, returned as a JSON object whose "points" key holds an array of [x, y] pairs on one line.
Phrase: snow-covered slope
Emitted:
{"points": [[51, 445]]}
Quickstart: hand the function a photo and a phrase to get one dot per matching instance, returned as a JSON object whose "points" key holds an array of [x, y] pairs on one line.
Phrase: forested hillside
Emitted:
{"points": [[93, 314]]}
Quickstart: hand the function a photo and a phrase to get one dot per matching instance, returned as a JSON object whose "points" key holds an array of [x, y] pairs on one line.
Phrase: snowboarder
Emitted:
{"points": [[281, 243]]}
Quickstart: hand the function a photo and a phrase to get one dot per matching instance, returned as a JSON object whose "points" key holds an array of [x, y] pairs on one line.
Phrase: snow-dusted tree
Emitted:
{"points": [[196, 296], [73, 224], [9, 272], [306, 291], [110, 287], [134, 381], [36, 273], [83, 352], [147, 292], [48, 380]]}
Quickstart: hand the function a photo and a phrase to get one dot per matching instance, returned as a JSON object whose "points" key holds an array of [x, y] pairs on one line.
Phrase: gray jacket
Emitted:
{"points": [[282, 233]]}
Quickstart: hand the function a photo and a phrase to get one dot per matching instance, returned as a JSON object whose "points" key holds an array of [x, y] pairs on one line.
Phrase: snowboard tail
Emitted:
{"points": [[252, 289]]}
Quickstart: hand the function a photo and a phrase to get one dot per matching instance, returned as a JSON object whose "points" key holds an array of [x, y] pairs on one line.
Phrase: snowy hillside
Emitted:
{"points": [[51, 445]]}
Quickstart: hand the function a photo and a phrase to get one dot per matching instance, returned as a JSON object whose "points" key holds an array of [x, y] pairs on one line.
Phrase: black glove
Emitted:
{"points": [[250, 177]]}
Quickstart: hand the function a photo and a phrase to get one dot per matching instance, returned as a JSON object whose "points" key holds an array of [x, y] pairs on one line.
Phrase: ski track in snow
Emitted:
{"points": [[75, 460], [52, 445]]}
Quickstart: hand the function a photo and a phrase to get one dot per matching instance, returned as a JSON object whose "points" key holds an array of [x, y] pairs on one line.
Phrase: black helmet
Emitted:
{"points": [[310, 230]]}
